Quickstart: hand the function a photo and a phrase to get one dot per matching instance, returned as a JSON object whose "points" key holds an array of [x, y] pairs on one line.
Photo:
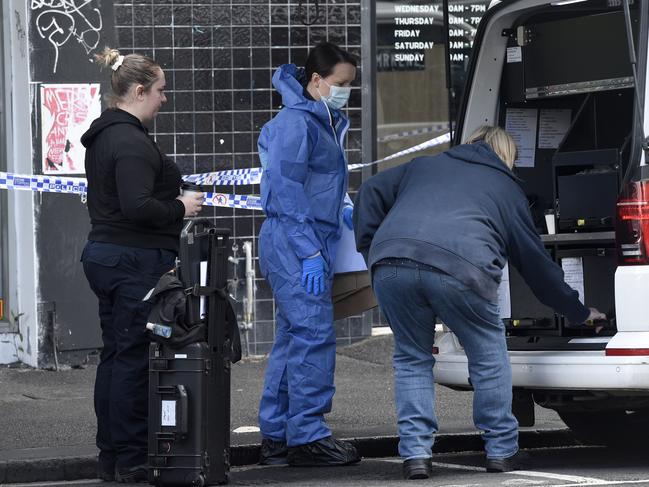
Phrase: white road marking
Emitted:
{"points": [[517, 482], [381, 331], [559, 476], [246, 429], [579, 480], [607, 482], [576, 481]]}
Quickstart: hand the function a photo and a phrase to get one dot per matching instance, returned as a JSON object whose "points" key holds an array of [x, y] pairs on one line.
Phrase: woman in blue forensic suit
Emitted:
{"points": [[303, 188]]}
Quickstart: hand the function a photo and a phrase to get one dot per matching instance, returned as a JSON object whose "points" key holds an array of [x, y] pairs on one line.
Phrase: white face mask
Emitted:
{"points": [[338, 96]]}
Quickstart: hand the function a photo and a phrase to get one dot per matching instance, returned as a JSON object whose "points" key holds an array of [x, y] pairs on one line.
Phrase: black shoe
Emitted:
{"points": [[273, 452], [326, 452], [138, 473], [499, 465], [106, 466], [417, 468], [105, 473]]}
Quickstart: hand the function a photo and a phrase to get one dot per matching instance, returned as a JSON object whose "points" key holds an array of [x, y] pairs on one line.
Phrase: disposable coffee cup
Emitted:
{"points": [[187, 188], [550, 222]]}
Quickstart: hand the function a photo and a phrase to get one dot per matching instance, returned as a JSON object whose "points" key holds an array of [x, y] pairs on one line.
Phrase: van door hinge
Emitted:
{"points": [[523, 35]]}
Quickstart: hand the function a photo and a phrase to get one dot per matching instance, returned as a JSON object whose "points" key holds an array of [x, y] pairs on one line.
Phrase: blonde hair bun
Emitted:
{"points": [[127, 70], [107, 57]]}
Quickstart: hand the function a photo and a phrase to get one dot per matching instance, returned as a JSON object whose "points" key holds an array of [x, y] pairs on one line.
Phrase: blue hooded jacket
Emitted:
{"points": [[303, 188], [464, 213], [304, 181]]}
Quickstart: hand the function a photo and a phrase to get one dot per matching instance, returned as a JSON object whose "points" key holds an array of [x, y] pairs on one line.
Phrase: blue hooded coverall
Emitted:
{"points": [[303, 188]]}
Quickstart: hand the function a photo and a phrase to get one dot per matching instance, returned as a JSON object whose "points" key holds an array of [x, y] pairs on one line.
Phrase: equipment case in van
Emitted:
{"points": [[189, 387]]}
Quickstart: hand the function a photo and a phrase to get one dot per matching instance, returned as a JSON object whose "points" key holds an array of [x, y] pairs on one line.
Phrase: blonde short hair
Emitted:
{"points": [[499, 140]]}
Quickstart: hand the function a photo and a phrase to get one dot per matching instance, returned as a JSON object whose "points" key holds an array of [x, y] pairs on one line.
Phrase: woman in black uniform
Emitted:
{"points": [[136, 213]]}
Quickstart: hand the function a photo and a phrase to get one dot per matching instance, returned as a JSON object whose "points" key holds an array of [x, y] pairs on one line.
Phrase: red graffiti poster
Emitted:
{"points": [[66, 113]]}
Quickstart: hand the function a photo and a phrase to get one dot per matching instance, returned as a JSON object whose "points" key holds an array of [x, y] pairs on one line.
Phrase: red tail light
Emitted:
{"points": [[632, 226], [626, 352]]}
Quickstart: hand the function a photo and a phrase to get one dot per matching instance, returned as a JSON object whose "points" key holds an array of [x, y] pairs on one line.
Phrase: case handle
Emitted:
{"points": [[183, 404]]}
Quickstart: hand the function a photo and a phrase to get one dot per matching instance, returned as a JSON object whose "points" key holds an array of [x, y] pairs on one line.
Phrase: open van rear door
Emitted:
{"points": [[557, 75]]}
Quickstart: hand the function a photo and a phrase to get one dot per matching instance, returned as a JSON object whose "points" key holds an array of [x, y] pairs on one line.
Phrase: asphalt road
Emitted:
{"points": [[566, 467], [41, 408]]}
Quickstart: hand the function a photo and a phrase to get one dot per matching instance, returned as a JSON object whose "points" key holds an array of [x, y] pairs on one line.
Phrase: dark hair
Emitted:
{"points": [[323, 59], [134, 69]]}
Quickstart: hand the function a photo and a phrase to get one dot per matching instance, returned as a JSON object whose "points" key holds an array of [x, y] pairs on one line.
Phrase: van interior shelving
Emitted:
{"points": [[571, 60]]}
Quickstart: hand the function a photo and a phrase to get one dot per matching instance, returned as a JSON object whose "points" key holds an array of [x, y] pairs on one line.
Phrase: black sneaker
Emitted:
{"points": [[138, 473], [417, 468], [515, 462], [326, 452], [273, 452]]}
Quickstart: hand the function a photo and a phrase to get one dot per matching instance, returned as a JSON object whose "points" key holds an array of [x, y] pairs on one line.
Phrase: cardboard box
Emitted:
{"points": [[352, 294]]}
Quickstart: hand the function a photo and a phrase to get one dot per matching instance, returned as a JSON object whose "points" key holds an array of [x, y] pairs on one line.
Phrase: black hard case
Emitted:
{"points": [[193, 448]]}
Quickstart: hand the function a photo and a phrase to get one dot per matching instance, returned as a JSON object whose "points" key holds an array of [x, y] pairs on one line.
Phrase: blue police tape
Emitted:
{"points": [[442, 139], [71, 185], [242, 201], [44, 184], [74, 185], [236, 177], [239, 177]]}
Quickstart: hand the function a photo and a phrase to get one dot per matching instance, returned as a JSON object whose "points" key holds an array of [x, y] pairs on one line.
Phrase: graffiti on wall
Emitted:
{"points": [[66, 113], [63, 21]]}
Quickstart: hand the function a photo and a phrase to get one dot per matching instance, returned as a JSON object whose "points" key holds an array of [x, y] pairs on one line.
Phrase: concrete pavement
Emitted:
{"points": [[47, 422]]}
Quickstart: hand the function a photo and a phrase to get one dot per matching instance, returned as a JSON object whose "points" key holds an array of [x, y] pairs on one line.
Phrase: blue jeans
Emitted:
{"points": [[411, 298]]}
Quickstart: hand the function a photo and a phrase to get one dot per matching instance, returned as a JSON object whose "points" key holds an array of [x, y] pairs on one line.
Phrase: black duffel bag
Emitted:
{"points": [[169, 299]]}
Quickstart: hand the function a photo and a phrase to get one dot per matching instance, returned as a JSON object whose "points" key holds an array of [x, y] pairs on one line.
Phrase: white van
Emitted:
{"points": [[558, 76]]}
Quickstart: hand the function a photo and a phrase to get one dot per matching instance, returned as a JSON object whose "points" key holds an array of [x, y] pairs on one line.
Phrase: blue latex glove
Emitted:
{"points": [[348, 211], [313, 277]]}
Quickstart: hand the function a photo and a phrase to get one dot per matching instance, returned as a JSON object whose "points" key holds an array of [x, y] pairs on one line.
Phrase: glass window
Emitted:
{"points": [[412, 94]]}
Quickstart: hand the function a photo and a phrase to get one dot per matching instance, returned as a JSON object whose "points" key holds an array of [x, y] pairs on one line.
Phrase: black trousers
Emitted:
{"points": [[121, 276]]}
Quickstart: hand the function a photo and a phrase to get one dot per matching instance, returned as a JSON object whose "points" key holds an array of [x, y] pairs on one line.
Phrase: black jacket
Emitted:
{"points": [[464, 213], [132, 186]]}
